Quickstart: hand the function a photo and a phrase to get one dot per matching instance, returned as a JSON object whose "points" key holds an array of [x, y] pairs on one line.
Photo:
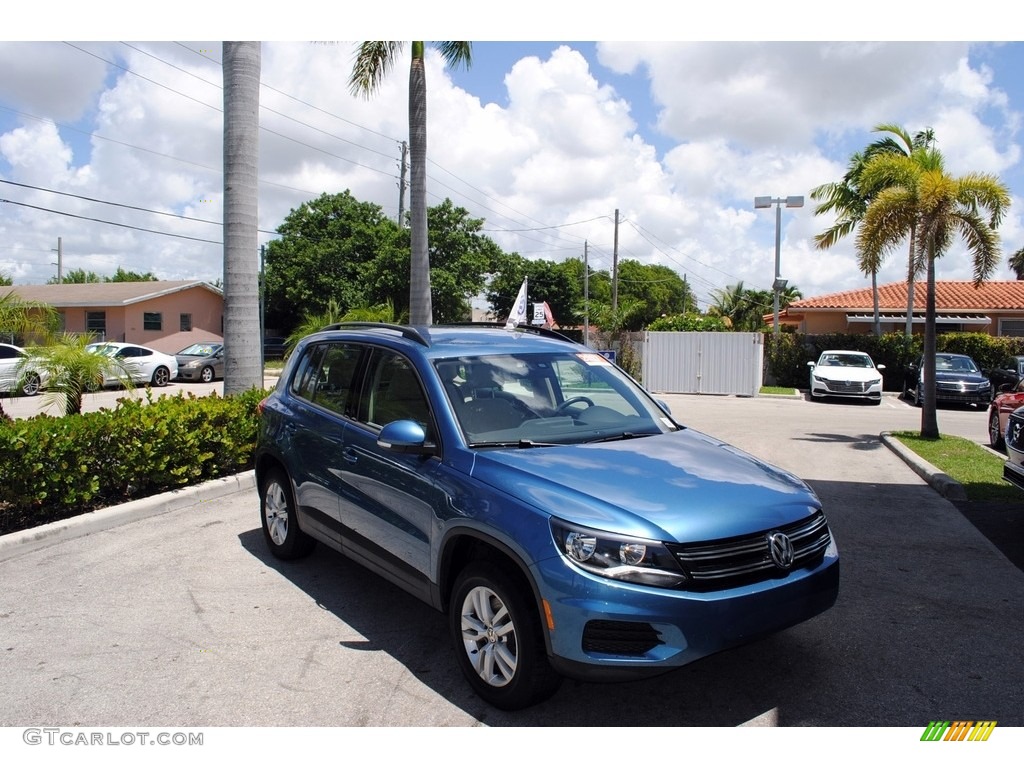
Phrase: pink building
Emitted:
{"points": [[166, 315]]}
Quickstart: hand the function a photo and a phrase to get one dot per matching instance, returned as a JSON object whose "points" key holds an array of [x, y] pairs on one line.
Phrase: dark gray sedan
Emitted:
{"points": [[201, 362]]}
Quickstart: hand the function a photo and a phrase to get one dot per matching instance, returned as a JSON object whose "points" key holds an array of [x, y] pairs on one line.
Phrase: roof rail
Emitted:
{"points": [[407, 331], [535, 329]]}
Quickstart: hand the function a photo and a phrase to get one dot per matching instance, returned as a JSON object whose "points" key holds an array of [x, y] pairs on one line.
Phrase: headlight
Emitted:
{"points": [[617, 557], [822, 379], [192, 364], [873, 382]]}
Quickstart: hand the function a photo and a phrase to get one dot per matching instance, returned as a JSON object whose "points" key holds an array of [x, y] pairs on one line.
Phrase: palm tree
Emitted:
{"points": [[374, 60], [241, 65], [907, 146], [918, 195], [19, 317], [70, 370], [849, 200], [1016, 262]]}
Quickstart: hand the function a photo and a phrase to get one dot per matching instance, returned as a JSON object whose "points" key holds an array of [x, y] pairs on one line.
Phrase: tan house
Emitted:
{"points": [[166, 315], [995, 307]]}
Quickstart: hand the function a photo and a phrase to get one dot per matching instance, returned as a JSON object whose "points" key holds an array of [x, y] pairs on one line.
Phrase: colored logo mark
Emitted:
{"points": [[958, 730]]}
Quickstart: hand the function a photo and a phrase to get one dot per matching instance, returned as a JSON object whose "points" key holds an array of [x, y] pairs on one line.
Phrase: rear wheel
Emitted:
{"points": [[497, 635], [995, 434], [277, 512], [161, 377]]}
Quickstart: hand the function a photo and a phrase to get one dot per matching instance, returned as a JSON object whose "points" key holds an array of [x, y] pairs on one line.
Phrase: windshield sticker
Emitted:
{"points": [[593, 358]]}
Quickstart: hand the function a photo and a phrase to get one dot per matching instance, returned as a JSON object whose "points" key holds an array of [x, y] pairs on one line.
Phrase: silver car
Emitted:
{"points": [[203, 362]]}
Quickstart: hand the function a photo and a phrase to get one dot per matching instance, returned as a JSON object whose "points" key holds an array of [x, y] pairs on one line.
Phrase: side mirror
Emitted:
{"points": [[405, 436], [811, 364], [880, 366]]}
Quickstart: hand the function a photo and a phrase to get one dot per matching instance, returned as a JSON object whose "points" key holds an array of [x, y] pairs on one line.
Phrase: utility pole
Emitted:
{"points": [[401, 184], [586, 297], [60, 261], [615, 265]]}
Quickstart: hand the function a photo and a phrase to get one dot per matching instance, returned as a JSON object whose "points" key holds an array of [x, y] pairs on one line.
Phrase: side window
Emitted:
{"points": [[304, 382], [393, 393], [334, 384]]}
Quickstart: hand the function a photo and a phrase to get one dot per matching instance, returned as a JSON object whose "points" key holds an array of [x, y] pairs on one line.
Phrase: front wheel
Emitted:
{"points": [[161, 377], [31, 385], [497, 635], [206, 375], [995, 434]]}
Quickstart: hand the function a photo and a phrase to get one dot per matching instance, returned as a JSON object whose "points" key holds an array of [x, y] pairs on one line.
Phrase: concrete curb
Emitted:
{"points": [[20, 542], [937, 479]]}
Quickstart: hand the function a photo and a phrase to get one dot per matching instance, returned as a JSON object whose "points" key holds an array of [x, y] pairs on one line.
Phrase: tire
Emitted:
{"points": [[496, 630], [277, 513], [161, 377], [995, 435], [918, 400], [206, 375], [32, 385]]}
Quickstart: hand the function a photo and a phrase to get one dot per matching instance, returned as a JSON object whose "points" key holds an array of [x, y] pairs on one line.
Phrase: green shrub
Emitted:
{"points": [[52, 468]]}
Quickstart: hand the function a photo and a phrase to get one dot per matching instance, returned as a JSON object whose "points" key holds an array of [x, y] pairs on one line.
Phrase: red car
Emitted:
{"points": [[1007, 400]]}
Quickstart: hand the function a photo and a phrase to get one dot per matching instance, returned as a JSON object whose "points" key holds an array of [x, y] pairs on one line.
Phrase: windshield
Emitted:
{"points": [[847, 360], [101, 349], [951, 363], [542, 398], [200, 350]]}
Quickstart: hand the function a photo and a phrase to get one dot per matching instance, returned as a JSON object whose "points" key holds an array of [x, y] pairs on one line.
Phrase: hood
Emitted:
{"points": [[680, 486], [964, 376], [846, 373]]}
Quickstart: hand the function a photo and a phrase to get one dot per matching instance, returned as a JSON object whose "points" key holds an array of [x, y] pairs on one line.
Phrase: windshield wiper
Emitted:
{"points": [[621, 436], [511, 444]]}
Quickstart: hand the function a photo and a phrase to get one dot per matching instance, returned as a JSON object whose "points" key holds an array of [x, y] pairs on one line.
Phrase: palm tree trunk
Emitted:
{"points": [[874, 295], [241, 155], [911, 273], [929, 415], [420, 310]]}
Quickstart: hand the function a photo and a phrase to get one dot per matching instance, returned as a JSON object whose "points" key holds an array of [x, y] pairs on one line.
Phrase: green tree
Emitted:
{"points": [[1016, 262], [76, 276], [374, 60], [744, 308], [918, 195], [241, 71], [658, 289], [560, 284], [333, 247], [127, 276]]}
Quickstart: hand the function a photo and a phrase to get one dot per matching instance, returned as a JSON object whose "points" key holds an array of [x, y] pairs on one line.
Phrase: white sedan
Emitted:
{"points": [[16, 374], [146, 366], [845, 373]]}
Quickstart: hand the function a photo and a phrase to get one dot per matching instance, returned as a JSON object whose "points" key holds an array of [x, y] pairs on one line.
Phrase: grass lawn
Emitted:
{"points": [[778, 391], [976, 469]]}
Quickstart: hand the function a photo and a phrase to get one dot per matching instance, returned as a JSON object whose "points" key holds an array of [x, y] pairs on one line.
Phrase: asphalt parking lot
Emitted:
{"points": [[185, 618]]}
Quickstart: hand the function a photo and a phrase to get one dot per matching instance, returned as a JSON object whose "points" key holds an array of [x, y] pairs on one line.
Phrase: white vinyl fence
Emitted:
{"points": [[703, 363]]}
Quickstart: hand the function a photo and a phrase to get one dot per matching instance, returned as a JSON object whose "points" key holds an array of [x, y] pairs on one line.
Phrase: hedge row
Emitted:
{"points": [[787, 361], [52, 468]]}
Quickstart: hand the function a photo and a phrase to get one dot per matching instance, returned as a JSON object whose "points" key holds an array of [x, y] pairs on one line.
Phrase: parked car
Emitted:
{"points": [[274, 347], [201, 362], [14, 378], [957, 380], [1007, 374], [999, 410], [1013, 467], [145, 365], [846, 373], [525, 486]]}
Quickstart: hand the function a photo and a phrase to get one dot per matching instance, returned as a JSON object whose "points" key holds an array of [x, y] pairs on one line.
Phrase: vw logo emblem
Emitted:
{"points": [[781, 550]]}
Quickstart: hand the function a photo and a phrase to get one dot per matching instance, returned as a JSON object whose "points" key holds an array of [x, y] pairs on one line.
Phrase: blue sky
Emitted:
{"points": [[545, 140]]}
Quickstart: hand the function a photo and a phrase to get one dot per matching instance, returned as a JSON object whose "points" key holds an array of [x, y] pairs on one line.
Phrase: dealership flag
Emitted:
{"points": [[518, 309], [549, 318]]}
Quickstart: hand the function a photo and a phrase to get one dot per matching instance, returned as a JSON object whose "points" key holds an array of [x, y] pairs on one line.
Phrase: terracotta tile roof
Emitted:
{"points": [[103, 294], [950, 296]]}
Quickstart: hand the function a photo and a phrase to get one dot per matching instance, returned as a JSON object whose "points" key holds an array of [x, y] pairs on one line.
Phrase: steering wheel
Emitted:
{"points": [[572, 401]]}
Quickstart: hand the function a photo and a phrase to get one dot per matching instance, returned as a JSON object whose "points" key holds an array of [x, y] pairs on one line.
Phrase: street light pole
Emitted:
{"points": [[778, 284]]}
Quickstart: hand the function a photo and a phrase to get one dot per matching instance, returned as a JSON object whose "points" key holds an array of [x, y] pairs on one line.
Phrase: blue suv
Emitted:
{"points": [[539, 497]]}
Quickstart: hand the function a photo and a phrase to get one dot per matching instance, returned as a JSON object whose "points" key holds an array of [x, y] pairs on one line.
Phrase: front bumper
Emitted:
{"points": [[607, 630]]}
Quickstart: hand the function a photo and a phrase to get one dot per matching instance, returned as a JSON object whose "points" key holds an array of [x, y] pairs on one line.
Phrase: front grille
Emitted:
{"points": [[847, 387], [744, 560], [620, 638]]}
